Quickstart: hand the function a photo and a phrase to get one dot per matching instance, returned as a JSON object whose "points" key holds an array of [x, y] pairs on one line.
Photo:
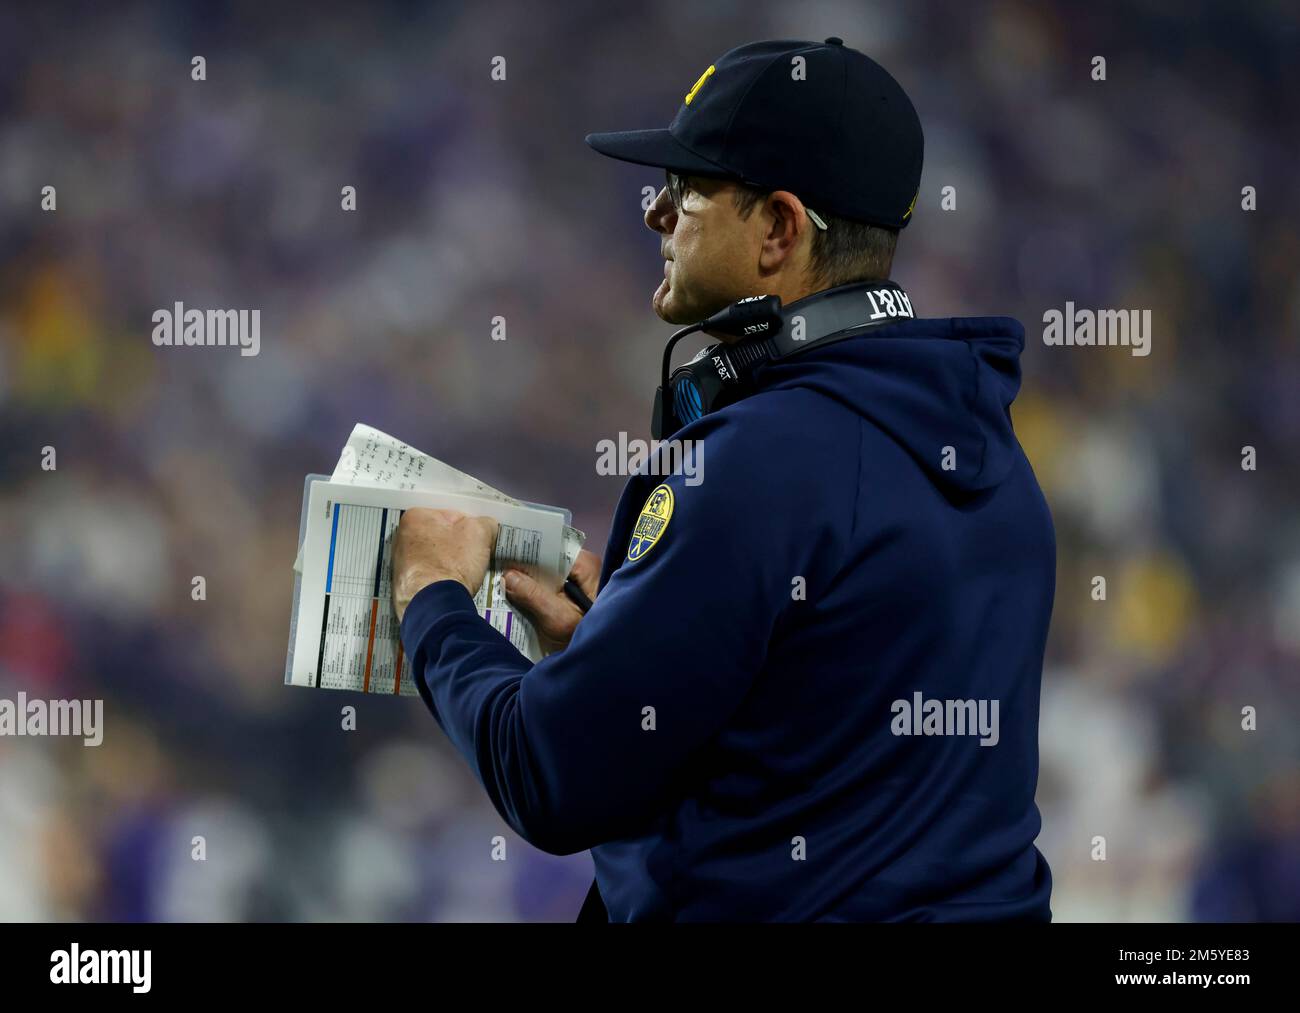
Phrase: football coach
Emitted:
{"points": [[808, 687]]}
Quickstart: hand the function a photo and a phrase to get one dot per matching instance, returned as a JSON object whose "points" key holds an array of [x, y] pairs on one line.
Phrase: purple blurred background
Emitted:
{"points": [[478, 198]]}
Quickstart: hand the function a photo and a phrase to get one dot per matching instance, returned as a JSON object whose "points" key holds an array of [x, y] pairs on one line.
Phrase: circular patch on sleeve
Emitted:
{"points": [[652, 522]]}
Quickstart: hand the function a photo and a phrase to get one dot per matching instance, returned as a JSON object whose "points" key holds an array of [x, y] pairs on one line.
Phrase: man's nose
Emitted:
{"points": [[661, 216]]}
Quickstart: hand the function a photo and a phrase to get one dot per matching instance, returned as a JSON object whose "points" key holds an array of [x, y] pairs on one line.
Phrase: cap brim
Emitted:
{"points": [[653, 147]]}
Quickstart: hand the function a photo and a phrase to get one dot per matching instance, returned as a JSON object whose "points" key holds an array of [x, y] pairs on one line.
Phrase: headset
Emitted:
{"points": [[721, 374]]}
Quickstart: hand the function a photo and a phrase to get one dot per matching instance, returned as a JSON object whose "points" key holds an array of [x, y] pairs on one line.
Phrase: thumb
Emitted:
{"points": [[524, 592], [552, 614]]}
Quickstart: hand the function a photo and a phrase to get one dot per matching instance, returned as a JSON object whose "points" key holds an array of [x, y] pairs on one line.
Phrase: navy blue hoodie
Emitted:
{"points": [[773, 710]]}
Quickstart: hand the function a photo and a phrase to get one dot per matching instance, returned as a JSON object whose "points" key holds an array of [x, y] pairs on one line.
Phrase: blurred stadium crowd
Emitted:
{"points": [[477, 198]]}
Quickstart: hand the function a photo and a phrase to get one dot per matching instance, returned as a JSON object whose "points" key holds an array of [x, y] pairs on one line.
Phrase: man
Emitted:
{"points": [[808, 688]]}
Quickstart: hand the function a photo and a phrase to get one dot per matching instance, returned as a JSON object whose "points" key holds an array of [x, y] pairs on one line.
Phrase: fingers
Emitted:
{"points": [[586, 571], [487, 528], [528, 595], [427, 523], [553, 614], [429, 517], [434, 545]]}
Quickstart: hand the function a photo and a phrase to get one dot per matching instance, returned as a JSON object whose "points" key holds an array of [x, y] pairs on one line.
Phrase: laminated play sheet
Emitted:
{"points": [[344, 633]]}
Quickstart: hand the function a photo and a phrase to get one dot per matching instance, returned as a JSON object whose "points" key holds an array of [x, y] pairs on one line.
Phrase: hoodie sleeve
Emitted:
{"points": [[584, 746]]}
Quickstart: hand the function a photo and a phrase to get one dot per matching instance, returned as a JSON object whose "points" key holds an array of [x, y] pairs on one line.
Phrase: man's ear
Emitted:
{"points": [[784, 223]]}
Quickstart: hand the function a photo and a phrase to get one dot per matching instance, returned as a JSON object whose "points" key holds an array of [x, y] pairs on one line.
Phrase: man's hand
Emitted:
{"points": [[434, 545], [552, 614]]}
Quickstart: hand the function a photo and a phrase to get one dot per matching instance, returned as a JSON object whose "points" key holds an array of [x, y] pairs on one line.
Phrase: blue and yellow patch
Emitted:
{"points": [[652, 522]]}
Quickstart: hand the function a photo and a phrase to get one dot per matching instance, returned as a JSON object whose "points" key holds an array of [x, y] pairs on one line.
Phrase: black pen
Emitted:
{"points": [[577, 595]]}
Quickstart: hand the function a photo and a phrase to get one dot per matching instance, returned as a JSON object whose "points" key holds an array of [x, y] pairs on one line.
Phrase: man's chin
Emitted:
{"points": [[677, 319], [670, 310]]}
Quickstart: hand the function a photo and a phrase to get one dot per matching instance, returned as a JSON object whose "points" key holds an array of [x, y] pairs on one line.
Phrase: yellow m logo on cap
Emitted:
{"points": [[913, 204], [696, 87]]}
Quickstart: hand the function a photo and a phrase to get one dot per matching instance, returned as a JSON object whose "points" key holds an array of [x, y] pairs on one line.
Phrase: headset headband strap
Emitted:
{"points": [[844, 308]]}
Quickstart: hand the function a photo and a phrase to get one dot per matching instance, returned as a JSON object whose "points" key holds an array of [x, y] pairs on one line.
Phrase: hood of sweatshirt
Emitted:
{"points": [[931, 384]]}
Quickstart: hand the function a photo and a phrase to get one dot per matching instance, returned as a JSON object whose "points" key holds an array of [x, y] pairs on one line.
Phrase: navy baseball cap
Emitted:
{"points": [[819, 119]]}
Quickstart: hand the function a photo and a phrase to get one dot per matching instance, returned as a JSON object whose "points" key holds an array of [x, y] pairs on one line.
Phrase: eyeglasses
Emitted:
{"points": [[677, 185]]}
